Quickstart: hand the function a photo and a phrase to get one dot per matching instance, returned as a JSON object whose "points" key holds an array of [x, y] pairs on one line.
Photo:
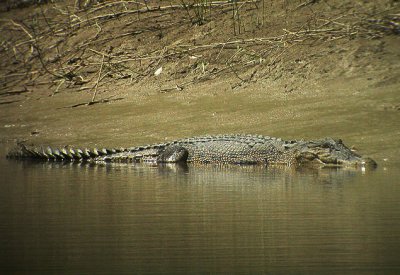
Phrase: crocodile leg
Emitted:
{"points": [[173, 153]]}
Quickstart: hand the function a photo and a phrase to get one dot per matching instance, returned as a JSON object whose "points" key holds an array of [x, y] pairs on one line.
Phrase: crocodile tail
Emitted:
{"points": [[69, 154]]}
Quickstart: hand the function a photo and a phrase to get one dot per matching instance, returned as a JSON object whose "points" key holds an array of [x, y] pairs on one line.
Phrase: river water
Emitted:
{"points": [[78, 219]]}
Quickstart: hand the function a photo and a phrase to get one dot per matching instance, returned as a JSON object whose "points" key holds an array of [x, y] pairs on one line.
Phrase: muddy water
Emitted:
{"points": [[64, 218], [75, 219]]}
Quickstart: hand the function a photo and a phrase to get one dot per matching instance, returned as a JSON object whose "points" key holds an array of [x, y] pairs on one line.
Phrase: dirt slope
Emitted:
{"points": [[121, 73]]}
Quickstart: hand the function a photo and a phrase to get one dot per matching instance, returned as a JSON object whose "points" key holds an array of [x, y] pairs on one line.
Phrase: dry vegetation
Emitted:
{"points": [[92, 46]]}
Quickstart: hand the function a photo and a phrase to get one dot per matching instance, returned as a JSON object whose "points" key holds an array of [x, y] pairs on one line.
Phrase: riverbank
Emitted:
{"points": [[290, 71]]}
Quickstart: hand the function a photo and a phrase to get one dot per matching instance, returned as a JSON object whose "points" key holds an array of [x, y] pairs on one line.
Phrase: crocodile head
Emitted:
{"points": [[330, 153]]}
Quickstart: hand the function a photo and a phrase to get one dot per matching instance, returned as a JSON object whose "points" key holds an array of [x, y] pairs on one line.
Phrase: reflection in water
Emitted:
{"points": [[120, 218]]}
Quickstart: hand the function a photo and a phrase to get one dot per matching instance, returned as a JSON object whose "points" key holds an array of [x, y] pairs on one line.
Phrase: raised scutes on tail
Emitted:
{"points": [[22, 151]]}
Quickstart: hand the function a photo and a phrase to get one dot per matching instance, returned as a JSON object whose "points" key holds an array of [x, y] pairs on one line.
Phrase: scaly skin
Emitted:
{"points": [[221, 149]]}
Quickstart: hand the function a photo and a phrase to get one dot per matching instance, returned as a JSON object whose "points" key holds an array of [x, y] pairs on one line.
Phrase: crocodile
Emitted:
{"points": [[219, 149]]}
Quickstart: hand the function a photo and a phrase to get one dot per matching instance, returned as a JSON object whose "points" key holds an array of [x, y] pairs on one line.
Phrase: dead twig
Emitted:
{"points": [[305, 4], [104, 100], [97, 82], [25, 31], [15, 92], [107, 5], [151, 9], [62, 81]]}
